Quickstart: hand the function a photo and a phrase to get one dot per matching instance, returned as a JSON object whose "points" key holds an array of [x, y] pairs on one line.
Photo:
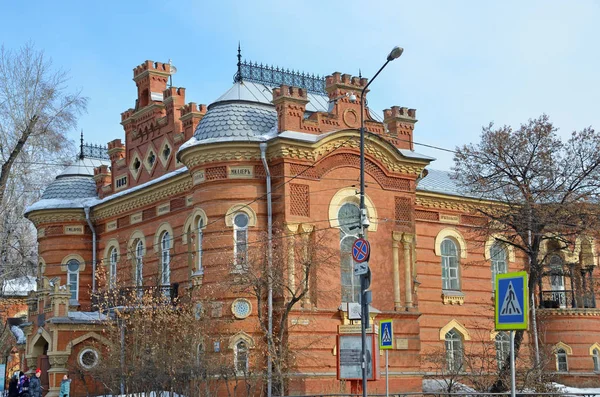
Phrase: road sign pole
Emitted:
{"points": [[512, 364], [363, 329], [387, 379]]}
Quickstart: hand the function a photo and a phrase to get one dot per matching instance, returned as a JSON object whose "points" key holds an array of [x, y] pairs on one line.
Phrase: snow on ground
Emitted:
{"points": [[577, 390], [441, 385]]}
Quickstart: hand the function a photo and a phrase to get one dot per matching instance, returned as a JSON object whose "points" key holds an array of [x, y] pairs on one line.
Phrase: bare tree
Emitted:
{"points": [[296, 262], [36, 112], [538, 193]]}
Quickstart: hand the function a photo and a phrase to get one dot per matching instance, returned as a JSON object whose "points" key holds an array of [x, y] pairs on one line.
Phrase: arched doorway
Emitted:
{"points": [[40, 350]]}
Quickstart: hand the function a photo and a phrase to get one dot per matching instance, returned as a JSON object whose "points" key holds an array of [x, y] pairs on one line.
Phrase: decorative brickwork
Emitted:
{"points": [[403, 211], [472, 220], [148, 213], [299, 200], [427, 215], [214, 173], [54, 230], [334, 161], [177, 203], [122, 222]]}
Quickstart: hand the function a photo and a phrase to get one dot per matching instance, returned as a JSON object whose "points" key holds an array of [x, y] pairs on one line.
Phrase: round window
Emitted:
{"points": [[241, 220], [241, 308], [73, 265], [88, 358]]}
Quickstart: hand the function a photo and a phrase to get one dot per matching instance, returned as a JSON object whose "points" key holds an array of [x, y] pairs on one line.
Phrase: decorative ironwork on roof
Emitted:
{"points": [[274, 76], [92, 151]]}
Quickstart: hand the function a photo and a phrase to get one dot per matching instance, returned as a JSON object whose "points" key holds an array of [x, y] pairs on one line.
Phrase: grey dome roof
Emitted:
{"points": [[71, 187], [76, 181], [236, 121]]}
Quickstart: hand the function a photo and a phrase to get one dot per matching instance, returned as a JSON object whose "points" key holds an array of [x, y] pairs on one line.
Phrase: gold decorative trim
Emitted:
{"points": [[56, 216], [140, 198], [453, 299], [569, 312], [456, 325]]}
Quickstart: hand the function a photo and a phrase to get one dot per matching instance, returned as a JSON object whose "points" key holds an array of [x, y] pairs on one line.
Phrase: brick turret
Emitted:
{"points": [[151, 80], [290, 103], [191, 114], [400, 123]]}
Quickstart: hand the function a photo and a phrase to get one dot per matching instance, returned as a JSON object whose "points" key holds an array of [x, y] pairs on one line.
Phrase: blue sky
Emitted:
{"points": [[466, 63]]}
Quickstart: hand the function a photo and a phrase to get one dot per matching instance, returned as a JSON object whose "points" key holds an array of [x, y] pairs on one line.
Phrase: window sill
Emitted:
{"points": [[453, 297]]}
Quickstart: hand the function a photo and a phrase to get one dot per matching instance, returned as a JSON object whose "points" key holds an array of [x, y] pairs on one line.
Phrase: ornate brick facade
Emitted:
{"points": [[182, 163]]}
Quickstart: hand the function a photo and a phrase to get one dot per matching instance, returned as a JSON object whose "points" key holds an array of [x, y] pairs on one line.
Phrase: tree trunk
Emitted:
{"points": [[7, 166]]}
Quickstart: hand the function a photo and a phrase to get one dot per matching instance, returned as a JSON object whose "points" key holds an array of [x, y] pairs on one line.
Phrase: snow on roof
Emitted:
{"points": [[18, 286], [79, 317], [19, 334]]}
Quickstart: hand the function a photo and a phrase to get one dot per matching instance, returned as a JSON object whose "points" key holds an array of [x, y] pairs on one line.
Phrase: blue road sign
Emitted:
{"points": [[512, 301], [386, 335], [361, 250]]}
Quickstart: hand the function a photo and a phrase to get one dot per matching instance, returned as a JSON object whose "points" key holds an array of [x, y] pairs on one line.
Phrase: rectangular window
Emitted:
{"points": [[74, 285], [241, 249]]}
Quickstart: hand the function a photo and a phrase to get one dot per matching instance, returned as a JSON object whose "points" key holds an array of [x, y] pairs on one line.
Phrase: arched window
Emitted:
{"points": [[499, 264], [561, 360], [113, 258], [596, 358], [73, 278], [240, 358], [199, 245], [165, 258], [454, 350], [240, 238], [557, 281], [502, 342], [139, 263], [450, 276], [349, 223]]}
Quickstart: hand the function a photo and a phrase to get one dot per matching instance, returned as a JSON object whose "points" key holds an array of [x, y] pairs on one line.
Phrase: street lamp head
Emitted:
{"points": [[395, 53]]}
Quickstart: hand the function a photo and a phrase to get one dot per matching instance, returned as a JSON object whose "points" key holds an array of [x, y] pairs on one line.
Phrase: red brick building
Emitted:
{"points": [[182, 196]]}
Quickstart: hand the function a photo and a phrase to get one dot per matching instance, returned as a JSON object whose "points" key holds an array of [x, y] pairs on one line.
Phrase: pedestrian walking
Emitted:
{"points": [[65, 386], [23, 385], [13, 386], [35, 384]]}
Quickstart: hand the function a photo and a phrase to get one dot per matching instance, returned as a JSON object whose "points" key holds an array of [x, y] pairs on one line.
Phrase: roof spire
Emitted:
{"points": [[238, 75], [359, 74], [81, 156]]}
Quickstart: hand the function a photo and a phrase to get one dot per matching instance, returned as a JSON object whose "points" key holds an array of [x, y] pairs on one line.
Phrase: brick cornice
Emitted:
{"points": [[143, 197], [56, 216], [569, 312]]}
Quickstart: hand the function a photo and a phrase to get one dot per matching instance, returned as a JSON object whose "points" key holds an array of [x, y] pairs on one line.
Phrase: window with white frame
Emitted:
{"points": [[240, 237], [450, 263], [241, 357], [73, 278], [165, 258], [499, 263], [88, 358], [139, 263], [454, 350], [112, 259], [502, 341], [561, 360], [200, 237], [596, 358], [349, 221]]}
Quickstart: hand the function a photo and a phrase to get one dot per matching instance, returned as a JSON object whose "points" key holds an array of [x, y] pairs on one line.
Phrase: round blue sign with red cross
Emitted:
{"points": [[361, 250]]}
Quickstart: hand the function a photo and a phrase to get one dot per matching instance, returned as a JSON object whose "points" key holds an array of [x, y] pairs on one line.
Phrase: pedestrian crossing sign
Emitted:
{"points": [[512, 301], [386, 335]]}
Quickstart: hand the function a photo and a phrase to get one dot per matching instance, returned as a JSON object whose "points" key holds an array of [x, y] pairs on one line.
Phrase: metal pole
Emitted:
{"points": [[363, 285], [387, 380], [263, 155], [512, 364], [122, 358]]}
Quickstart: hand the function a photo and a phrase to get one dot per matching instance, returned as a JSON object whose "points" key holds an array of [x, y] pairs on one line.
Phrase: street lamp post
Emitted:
{"points": [[395, 53]]}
